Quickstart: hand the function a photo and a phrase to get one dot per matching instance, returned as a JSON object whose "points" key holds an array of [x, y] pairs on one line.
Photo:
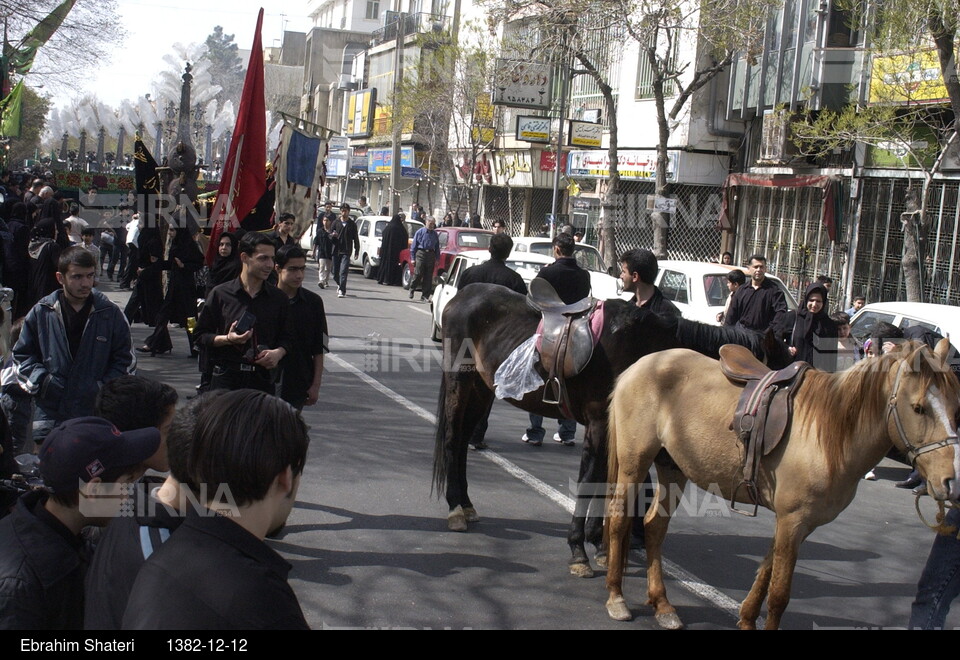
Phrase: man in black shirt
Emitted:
{"points": [[759, 305], [159, 507], [216, 572], [41, 552], [638, 272], [346, 240], [496, 271], [572, 283], [248, 358], [302, 367]]}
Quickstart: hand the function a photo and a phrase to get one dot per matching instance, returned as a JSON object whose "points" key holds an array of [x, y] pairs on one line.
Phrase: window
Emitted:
{"points": [[381, 225], [673, 286], [373, 10], [645, 77]]}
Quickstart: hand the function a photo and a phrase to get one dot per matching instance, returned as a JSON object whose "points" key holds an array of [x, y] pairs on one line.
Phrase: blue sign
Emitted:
{"points": [[380, 161]]}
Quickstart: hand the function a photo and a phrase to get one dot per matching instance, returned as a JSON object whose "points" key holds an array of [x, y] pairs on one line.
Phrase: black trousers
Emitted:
{"points": [[232, 378]]}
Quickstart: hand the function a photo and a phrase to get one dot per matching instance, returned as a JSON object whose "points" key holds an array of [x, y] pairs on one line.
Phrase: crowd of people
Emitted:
{"points": [[231, 458]]}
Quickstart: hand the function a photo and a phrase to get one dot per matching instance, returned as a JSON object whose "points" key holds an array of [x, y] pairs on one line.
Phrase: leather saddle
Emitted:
{"points": [[763, 412], [566, 339]]}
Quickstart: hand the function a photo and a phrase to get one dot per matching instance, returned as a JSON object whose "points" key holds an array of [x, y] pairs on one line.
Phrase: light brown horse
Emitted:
{"points": [[676, 407]]}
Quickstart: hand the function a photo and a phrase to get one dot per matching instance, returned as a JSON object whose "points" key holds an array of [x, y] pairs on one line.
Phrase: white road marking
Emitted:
{"points": [[687, 580], [421, 310]]}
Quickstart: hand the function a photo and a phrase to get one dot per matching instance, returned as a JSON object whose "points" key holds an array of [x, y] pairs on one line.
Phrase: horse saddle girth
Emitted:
{"points": [[764, 409], [566, 337]]}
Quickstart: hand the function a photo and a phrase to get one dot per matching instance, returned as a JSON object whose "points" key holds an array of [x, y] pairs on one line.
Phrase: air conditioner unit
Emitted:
{"points": [[776, 147]]}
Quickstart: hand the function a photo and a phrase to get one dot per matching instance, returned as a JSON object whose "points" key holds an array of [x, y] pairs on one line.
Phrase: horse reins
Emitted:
{"points": [[913, 451]]}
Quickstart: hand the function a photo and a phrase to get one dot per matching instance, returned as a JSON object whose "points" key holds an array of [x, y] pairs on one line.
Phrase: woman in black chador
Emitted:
{"points": [[809, 333], [395, 239], [180, 301]]}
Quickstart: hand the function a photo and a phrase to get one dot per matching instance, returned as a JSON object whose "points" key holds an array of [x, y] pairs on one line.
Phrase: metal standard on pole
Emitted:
{"points": [[564, 79]]}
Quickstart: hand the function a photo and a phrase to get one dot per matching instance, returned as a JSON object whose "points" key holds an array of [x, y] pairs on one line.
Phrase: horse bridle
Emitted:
{"points": [[912, 451]]}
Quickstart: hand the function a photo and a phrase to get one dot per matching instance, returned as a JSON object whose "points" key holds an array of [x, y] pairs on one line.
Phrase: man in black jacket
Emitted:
{"points": [[572, 283], [216, 572], [41, 551], [493, 271], [345, 240]]}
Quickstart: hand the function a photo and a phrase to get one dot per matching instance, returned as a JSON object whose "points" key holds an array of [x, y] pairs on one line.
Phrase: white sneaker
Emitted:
{"points": [[870, 476], [565, 443], [341, 294]]}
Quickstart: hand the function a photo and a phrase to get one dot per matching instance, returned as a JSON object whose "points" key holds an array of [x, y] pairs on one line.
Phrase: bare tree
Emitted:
{"points": [[79, 44]]}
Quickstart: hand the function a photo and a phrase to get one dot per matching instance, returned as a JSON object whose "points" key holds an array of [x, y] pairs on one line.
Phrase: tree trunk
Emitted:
{"points": [[661, 221], [911, 221]]}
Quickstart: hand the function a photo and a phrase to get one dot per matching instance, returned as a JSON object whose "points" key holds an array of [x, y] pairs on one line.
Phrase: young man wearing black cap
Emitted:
{"points": [[216, 572], [41, 551]]}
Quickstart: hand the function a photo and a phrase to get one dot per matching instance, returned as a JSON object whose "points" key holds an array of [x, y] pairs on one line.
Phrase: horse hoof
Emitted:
{"points": [[471, 514], [669, 621], [581, 570], [601, 561], [618, 610], [456, 521]]}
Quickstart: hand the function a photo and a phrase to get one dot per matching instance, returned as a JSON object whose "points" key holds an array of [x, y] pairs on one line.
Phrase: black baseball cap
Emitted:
{"points": [[83, 448]]}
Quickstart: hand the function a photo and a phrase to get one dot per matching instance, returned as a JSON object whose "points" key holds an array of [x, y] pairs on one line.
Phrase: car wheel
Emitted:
{"points": [[407, 278], [369, 270]]}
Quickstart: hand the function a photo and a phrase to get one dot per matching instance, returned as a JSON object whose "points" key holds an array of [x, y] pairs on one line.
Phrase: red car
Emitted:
{"points": [[453, 241]]}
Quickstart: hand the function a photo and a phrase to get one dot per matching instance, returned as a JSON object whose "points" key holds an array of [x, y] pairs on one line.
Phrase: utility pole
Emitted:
{"points": [[395, 163]]}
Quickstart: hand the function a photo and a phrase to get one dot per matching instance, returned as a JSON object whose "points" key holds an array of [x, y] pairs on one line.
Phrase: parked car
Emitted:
{"points": [[526, 263], [942, 319], [370, 228], [453, 241], [604, 284], [699, 289]]}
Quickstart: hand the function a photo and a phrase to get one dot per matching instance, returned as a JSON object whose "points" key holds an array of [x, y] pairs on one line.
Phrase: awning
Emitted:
{"points": [[827, 185]]}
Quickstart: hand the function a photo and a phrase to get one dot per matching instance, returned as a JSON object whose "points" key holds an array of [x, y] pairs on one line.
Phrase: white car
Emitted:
{"points": [[604, 285], [525, 263], [370, 228], [699, 289], [942, 319]]}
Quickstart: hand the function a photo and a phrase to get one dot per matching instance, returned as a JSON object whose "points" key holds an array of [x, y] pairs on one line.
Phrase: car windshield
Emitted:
{"points": [[472, 240], [715, 288], [587, 255], [863, 327]]}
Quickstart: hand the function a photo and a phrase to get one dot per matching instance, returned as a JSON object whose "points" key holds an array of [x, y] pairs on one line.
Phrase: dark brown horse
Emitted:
{"points": [[484, 323]]}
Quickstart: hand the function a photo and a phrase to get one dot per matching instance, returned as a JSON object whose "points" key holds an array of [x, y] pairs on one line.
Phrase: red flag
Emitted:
{"points": [[243, 179]]}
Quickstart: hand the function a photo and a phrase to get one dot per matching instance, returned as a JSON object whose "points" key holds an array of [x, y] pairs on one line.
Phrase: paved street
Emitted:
{"points": [[368, 540]]}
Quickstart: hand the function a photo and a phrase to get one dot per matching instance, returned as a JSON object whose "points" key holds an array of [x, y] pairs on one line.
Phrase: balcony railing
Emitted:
{"points": [[421, 23]]}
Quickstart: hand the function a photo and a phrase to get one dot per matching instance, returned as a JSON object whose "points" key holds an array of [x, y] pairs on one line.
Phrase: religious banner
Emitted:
{"points": [[301, 170]]}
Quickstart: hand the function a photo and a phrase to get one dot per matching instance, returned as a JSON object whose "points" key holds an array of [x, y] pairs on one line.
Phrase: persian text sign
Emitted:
{"points": [[523, 84], [584, 134], [533, 129], [633, 164], [907, 78]]}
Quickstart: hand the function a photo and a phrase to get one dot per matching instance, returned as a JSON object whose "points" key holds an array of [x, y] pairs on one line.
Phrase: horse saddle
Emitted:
{"points": [[566, 338], [763, 412]]}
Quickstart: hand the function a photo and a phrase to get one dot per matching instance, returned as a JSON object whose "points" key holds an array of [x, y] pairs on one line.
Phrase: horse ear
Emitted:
{"points": [[942, 351]]}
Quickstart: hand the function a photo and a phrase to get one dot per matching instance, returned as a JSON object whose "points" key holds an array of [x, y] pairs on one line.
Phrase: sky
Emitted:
{"points": [[153, 26]]}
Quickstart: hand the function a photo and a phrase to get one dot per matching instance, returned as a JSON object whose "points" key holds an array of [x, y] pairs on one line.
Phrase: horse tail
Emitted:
{"points": [[440, 463]]}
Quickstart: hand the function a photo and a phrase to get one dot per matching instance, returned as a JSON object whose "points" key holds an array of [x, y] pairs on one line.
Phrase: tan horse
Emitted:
{"points": [[679, 403]]}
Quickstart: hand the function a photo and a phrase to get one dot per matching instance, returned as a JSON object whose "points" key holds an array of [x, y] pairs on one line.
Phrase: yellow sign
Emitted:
{"points": [[908, 78], [360, 107]]}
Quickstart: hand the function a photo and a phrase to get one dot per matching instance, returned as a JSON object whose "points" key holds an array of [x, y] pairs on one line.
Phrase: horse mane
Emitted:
{"points": [[854, 402], [707, 339]]}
